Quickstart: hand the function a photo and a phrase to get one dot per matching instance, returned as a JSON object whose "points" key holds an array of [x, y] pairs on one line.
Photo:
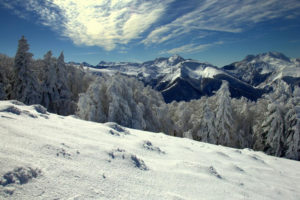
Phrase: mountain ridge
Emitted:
{"points": [[250, 77]]}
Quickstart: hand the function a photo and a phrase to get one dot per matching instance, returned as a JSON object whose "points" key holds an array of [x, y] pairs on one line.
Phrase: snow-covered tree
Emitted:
{"points": [[282, 92], [120, 99], [25, 84], [172, 112], [6, 67], [125, 101], [184, 112], [78, 81], [292, 135], [207, 130], [155, 111], [50, 93], [3, 81], [224, 120], [92, 105], [243, 122], [275, 126], [273, 130], [63, 104]]}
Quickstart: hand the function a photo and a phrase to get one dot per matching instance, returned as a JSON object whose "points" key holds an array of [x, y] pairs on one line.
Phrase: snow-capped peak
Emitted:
{"points": [[265, 68], [175, 59], [267, 58], [192, 69], [275, 55]]}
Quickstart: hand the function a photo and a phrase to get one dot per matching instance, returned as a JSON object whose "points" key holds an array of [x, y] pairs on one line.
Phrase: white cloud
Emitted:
{"points": [[104, 23], [108, 23], [190, 48]]}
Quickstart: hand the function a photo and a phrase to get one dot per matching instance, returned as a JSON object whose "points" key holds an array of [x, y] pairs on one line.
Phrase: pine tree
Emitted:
{"points": [[6, 67], [281, 93], [243, 123], [292, 135], [25, 84], [224, 120], [2, 87], [273, 130], [207, 131], [63, 105], [50, 93]]}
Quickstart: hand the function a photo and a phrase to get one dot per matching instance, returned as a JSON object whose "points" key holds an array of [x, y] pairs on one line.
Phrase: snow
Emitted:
{"points": [[54, 157], [210, 72], [282, 68], [175, 59], [291, 71]]}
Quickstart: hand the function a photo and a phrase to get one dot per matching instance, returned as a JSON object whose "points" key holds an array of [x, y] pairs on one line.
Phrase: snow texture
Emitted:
{"points": [[67, 158]]}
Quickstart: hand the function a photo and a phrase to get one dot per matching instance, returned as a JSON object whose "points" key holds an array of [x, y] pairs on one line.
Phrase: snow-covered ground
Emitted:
{"points": [[47, 156]]}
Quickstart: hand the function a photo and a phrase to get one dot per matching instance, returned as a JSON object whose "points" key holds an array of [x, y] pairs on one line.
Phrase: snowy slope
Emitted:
{"points": [[46, 156]]}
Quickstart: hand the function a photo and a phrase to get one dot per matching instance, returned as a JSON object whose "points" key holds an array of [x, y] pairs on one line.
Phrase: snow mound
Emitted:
{"points": [[19, 175], [149, 146], [121, 154], [17, 108], [116, 129], [17, 111], [83, 160]]}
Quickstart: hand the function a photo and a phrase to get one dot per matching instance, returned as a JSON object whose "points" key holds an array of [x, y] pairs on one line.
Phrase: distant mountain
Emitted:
{"points": [[84, 64], [186, 79], [191, 79], [263, 69]]}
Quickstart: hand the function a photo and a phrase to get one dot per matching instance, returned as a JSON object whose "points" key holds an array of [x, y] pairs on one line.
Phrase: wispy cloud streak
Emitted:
{"points": [[189, 48], [224, 16]]}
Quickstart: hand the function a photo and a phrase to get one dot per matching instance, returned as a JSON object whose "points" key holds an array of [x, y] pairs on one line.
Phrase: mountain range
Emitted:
{"points": [[186, 79]]}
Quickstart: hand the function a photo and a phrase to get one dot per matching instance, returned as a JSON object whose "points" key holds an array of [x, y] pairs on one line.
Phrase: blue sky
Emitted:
{"points": [[214, 31]]}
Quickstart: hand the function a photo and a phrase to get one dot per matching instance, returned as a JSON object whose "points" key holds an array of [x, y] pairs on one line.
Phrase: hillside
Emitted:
{"points": [[47, 156]]}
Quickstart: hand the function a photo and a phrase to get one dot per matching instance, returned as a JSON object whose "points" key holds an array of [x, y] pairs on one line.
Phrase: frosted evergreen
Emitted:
{"points": [[25, 85], [224, 120]]}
